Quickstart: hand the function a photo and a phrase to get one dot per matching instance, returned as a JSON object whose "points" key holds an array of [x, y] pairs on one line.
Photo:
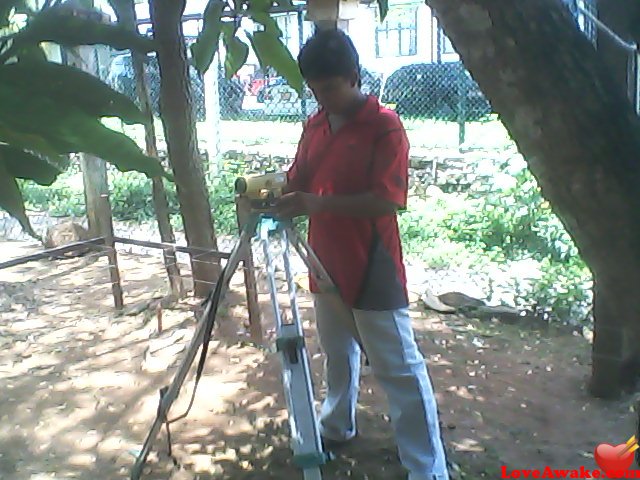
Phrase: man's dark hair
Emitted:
{"points": [[328, 53]]}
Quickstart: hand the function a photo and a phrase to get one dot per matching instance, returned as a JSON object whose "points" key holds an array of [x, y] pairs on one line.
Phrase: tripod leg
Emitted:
{"points": [[312, 262], [296, 375], [198, 337], [323, 279]]}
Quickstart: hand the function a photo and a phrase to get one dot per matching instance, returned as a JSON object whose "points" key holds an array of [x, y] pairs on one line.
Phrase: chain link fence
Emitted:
{"points": [[121, 77], [431, 85], [407, 62], [436, 91]]}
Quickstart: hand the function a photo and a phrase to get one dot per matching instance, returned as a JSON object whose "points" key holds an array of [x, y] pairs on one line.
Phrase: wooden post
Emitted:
{"points": [[96, 188], [96, 191], [255, 322], [332, 14]]}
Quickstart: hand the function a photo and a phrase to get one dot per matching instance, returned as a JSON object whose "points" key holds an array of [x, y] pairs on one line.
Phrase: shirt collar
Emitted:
{"points": [[369, 108]]}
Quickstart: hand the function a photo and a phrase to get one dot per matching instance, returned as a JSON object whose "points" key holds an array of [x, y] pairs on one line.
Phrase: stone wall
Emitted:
{"points": [[449, 169]]}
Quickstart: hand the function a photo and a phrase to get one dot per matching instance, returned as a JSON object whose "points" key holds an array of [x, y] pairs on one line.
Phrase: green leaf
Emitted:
{"points": [[72, 86], [12, 202], [237, 50], [114, 147], [206, 46], [272, 52], [29, 141], [32, 53], [288, 4], [383, 6], [266, 20], [58, 26], [260, 5], [29, 166], [258, 11], [44, 125]]}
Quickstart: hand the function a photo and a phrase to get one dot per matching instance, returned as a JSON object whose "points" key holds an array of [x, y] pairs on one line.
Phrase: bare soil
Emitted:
{"points": [[80, 382]]}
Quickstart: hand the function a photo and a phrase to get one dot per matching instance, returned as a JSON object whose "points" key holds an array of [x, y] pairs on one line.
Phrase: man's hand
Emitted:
{"points": [[296, 204]]}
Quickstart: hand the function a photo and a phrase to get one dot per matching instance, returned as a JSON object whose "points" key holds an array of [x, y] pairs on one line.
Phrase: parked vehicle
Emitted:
{"points": [[232, 95], [371, 82], [441, 91], [265, 92], [121, 78]]}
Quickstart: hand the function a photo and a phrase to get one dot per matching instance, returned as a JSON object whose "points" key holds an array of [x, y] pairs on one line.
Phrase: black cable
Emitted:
{"points": [[213, 300]]}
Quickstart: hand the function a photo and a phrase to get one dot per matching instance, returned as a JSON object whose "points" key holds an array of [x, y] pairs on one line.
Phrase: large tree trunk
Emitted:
{"points": [[125, 10], [618, 15], [180, 134], [580, 136]]}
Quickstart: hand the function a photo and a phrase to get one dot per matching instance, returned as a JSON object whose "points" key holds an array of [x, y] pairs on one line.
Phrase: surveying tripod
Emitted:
{"points": [[308, 453]]}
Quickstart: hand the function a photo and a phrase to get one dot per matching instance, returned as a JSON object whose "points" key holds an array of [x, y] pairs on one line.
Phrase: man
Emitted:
{"points": [[350, 177]]}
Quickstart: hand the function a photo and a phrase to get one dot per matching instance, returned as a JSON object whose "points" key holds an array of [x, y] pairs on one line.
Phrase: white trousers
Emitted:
{"points": [[399, 367]]}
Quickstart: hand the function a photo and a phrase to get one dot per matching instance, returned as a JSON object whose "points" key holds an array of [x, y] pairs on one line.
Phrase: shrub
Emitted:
{"points": [[510, 224]]}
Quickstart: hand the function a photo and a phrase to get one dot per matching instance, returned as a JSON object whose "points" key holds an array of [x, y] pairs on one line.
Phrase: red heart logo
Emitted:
{"points": [[610, 460]]}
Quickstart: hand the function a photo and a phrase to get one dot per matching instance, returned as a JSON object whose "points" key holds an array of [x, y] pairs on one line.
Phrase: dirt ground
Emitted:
{"points": [[79, 387]]}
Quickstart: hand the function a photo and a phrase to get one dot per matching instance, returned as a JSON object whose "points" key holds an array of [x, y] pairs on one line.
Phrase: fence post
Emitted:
{"points": [[303, 100], [633, 79], [463, 92], [255, 323], [96, 187]]}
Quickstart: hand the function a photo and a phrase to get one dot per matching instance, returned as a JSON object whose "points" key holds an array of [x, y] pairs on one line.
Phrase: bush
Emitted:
{"points": [[132, 199], [563, 291], [64, 198], [512, 223], [131, 196], [503, 226], [426, 236]]}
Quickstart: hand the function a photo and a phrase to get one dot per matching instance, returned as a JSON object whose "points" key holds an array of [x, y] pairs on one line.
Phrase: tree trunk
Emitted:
{"points": [[580, 137], [127, 17], [180, 134], [616, 14]]}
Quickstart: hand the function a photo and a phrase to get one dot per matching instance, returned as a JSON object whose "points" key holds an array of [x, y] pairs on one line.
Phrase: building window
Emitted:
{"points": [[396, 37], [287, 24], [446, 47]]}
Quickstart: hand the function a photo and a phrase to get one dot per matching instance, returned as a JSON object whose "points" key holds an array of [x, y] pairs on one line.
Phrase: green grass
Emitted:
{"points": [[423, 134]]}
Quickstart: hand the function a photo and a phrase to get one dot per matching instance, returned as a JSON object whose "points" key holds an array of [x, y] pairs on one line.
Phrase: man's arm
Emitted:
{"points": [[296, 204], [388, 193], [297, 177], [361, 205]]}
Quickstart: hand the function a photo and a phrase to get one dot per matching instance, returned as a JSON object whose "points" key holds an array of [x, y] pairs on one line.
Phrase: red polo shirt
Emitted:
{"points": [[368, 154]]}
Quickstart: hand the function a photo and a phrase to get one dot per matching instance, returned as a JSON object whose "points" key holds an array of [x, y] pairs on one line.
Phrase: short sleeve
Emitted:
{"points": [[296, 175], [390, 165]]}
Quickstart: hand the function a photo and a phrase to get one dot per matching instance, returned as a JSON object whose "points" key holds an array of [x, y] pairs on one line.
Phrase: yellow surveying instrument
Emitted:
{"points": [[306, 444], [261, 190]]}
